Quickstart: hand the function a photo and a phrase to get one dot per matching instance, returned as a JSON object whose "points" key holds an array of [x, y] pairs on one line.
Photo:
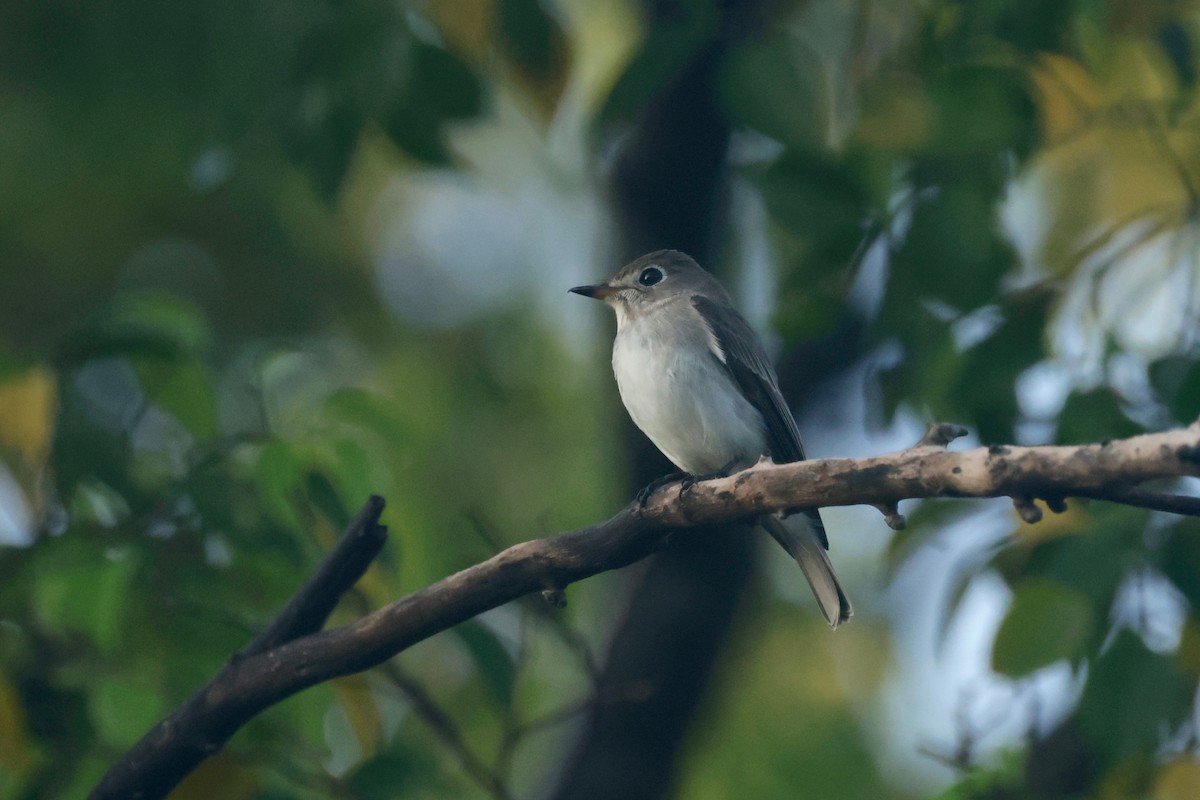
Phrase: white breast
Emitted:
{"points": [[681, 396]]}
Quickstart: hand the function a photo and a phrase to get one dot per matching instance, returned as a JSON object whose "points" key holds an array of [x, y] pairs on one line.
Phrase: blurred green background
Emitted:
{"points": [[259, 260]]}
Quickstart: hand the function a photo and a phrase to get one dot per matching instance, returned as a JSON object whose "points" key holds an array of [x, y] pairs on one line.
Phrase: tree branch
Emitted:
{"points": [[194, 731], [313, 602], [256, 679], [1143, 498]]}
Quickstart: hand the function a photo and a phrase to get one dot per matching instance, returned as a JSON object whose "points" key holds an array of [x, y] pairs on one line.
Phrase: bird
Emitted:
{"points": [[697, 381]]}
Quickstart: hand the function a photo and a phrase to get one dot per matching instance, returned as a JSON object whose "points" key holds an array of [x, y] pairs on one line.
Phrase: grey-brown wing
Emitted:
{"points": [[743, 356]]}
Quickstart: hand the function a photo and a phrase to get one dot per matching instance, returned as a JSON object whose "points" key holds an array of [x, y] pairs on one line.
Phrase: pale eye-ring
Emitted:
{"points": [[650, 276]]}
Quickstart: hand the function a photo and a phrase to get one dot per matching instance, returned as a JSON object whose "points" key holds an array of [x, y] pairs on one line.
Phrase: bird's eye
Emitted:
{"points": [[650, 276]]}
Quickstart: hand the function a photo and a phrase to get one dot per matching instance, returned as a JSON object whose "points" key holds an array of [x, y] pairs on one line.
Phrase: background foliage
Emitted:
{"points": [[259, 260]]}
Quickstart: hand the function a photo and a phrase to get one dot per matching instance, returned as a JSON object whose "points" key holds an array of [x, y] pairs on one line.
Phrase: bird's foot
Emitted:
{"points": [[723, 472], [644, 495], [686, 481]]}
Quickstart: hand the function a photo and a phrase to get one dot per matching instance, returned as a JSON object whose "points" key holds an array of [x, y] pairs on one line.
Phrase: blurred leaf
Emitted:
{"points": [[355, 472], [174, 318], [820, 200], [982, 109], [88, 592], [358, 704], [372, 412], [673, 41], [819, 207], [990, 783], [279, 475], [323, 495], [1179, 559], [975, 385], [495, 664], [925, 372], [14, 738], [1178, 780], [324, 145], [1174, 38], [123, 708], [1029, 24], [1176, 379], [1133, 696], [986, 383], [775, 85], [149, 325], [1094, 563], [390, 775], [439, 88], [953, 250], [537, 46], [27, 408], [185, 391], [1046, 622], [220, 775], [1093, 416]]}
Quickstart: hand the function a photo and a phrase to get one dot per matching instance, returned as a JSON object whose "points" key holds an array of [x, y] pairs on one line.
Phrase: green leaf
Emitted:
{"points": [[1047, 622], [775, 85], [279, 478], [982, 109], [495, 664], [389, 775], [372, 412], [1132, 697], [172, 317], [439, 88], [1179, 559], [533, 38], [1093, 416], [1095, 563], [1032, 25], [323, 144], [669, 45], [184, 390], [1177, 381], [953, 251], [88, 592], [323, 495], [124, 708], [986, 381], [149, 325]]}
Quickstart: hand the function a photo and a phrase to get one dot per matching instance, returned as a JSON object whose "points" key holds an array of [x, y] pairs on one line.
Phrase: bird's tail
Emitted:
{"points": [[803, 537]]}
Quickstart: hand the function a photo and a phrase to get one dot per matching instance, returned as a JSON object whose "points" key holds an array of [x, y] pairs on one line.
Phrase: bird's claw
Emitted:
{"points": [[686, 481], [643, 496]]}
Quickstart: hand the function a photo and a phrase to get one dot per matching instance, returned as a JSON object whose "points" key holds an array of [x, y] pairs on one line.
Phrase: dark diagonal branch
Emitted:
{"points": [[195, 730], [446, 731], [258, 678], [312, 604]]}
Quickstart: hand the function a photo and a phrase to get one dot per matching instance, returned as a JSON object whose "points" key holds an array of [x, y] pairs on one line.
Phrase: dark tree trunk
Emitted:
{"points": [[669, 187]]}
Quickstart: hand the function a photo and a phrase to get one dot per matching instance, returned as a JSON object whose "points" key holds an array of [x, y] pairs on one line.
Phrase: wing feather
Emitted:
{"points": [[738, 348], [734, 343]]}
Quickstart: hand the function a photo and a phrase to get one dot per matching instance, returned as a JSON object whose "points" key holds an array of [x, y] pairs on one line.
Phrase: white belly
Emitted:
{"points": [[684, 400]]}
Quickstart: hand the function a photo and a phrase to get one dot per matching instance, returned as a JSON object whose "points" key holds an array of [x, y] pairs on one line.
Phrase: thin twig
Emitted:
{"points": [[313, 602], [447, 731]]}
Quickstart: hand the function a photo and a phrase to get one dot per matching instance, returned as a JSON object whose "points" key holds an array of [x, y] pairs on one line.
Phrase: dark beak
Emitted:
{"points": [[599, 291]]}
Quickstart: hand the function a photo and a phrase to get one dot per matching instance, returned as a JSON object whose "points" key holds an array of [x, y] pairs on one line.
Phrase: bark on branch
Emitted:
{"points": [[293, 654]]}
